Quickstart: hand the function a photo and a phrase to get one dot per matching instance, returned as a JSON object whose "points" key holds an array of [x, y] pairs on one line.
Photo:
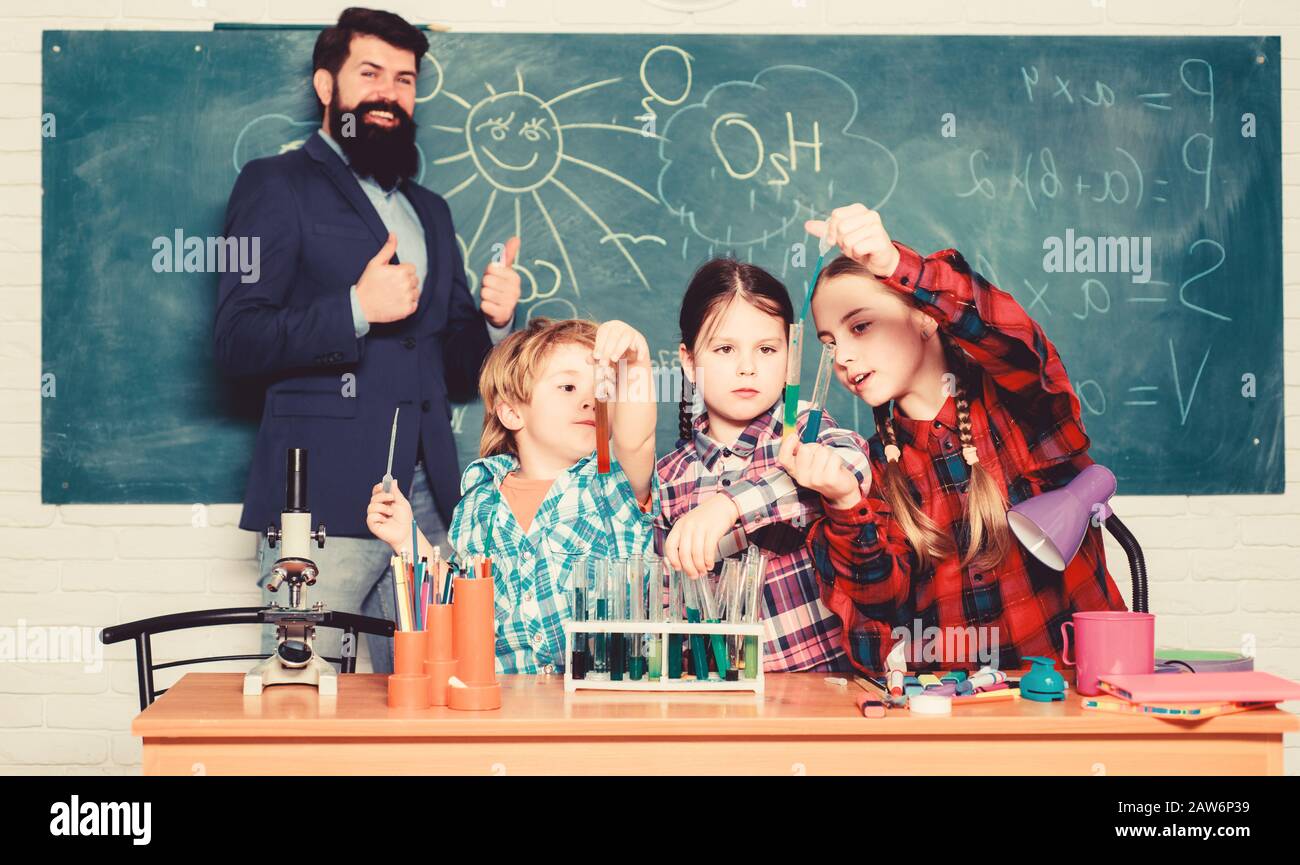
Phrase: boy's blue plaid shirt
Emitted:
{"points": [[583, 514]]}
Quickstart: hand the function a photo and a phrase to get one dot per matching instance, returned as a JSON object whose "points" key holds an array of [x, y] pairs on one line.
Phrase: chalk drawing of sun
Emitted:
{"points": [[514, 142]]}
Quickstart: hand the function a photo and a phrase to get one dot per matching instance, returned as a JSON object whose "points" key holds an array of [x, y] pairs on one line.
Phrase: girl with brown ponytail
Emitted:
{"points": [[974, 412], [721, 489]]}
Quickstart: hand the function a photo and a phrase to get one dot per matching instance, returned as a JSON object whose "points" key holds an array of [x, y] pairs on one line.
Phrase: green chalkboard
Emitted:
{"points": [[649, 154]]}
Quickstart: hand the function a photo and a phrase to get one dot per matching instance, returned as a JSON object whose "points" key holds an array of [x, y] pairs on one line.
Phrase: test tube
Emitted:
{"points": [[793, 368], [711, 615], [754, 584], [654, 613], [821, 389], [604, 392], [617, 613], [699, 646], [674, 615], [581, 651], [732, 606], [636, 613], [600, 660]]}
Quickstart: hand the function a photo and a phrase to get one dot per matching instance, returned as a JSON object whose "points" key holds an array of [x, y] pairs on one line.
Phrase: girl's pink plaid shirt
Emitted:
{"points": [[802, 634]]}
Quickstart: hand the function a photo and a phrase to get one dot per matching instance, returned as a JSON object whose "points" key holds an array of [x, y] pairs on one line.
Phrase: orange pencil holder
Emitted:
{"points": [[408, 686], [440, 656], [474, 636]]}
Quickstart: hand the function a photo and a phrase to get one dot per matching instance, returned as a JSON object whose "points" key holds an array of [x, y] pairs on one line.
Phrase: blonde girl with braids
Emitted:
{"points": [[974, 412]]}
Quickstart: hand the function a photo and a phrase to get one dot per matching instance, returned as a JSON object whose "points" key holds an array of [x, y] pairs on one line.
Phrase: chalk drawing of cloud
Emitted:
{"points": [[755, 158]]}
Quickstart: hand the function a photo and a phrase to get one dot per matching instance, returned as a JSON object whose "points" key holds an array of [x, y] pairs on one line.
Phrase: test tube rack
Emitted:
{"points": [[664, 682]]}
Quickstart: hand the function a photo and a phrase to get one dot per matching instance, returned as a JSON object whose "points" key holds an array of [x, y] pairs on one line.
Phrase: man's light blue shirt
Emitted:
{"points": [[398, 216]]}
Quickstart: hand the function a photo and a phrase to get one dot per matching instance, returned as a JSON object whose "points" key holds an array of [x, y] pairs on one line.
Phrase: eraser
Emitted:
{"points": [[930, 704]]}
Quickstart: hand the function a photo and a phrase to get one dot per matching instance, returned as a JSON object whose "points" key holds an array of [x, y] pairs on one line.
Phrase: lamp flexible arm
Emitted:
{"points": [[1136, 562]]}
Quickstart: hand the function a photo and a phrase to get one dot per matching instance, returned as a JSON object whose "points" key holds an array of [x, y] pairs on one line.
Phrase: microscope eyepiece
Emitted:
{"points": [[295, 484]]}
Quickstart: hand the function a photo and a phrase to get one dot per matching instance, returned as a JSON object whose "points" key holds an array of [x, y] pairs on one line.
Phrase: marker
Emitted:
{"points": [[392, 443], [945, 689], [982, 679], [869, 706], [403, 595], [990, 696], [895, 683]]}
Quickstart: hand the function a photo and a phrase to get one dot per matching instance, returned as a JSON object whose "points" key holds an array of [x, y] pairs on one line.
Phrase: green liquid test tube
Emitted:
{"points": [[636, 613], [793, 370], [699, 645], [674, 615], [711, 615], [821, 389]]}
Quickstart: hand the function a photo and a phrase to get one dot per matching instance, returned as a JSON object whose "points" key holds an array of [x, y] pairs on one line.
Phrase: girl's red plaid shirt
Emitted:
{"points": [[1028, 433]]}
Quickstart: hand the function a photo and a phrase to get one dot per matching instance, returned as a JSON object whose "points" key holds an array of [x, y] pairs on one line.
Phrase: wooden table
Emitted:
{"points": [[802, 725]]}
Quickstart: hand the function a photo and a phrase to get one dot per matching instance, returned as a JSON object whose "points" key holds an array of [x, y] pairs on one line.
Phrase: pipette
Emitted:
{"points": [[793, 368], [392, 443], [821, 389], [823, 247]]}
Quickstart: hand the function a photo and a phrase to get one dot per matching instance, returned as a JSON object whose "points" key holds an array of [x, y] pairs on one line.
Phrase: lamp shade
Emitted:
{"points": [[1052, 525]]}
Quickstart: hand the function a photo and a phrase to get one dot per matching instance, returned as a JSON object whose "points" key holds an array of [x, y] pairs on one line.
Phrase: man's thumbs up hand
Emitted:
{"points": [[388, 292], [500, 290]]}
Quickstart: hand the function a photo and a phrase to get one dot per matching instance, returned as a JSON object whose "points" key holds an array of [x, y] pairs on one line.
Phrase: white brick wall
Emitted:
{"points": [[1226, 568]]}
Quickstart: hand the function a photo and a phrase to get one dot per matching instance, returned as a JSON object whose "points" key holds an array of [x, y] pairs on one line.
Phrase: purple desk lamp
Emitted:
{"points": [[1052, 525]]}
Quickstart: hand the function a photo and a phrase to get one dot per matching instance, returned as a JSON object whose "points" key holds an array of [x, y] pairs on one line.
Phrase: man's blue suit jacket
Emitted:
{"points": [[292, 333]]}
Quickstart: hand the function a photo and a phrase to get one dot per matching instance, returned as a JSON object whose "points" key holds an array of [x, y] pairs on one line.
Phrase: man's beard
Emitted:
{"points": [[387, 155]]}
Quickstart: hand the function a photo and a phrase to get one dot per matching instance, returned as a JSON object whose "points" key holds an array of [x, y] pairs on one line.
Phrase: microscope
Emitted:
{"points": [[295, 661]]}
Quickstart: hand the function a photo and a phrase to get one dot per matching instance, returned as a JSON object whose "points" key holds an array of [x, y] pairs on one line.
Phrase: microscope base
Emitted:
{"points": [[317, 672]]}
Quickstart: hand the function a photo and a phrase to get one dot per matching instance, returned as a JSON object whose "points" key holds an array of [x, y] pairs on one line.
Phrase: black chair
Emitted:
{"points": [[142, 631]]}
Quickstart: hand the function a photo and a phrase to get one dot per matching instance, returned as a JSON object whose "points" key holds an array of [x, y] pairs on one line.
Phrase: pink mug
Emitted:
{"points": [[1109, 642]]}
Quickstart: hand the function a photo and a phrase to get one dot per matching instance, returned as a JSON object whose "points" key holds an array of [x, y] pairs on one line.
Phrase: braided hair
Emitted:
{"points": [[989, 538]]}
